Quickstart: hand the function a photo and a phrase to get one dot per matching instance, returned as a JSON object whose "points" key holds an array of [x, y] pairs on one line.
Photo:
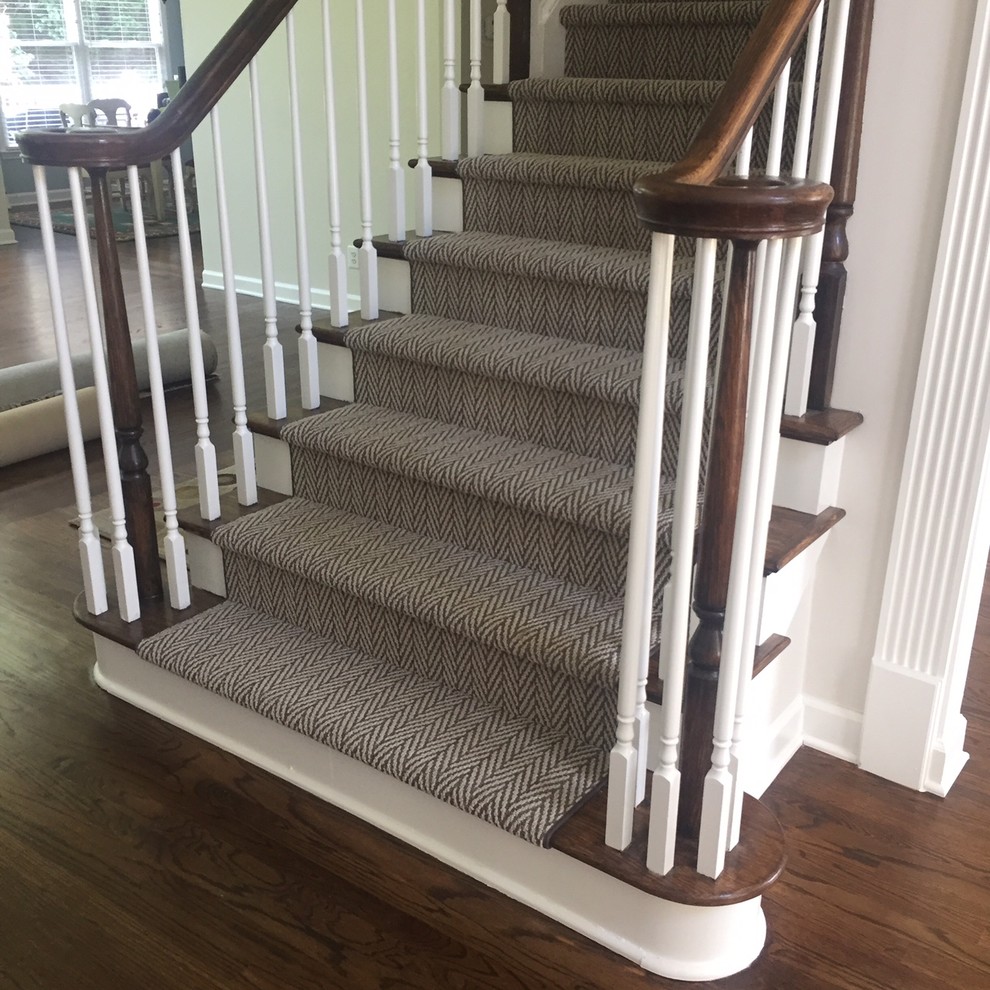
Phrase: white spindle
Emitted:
{"points": [[309, 369], [778, 121], [273, 357], [396, 173], [770, 445], [476, 92], [826, 121], [122, 554], [744, 156], [771, 438], [337, 259], [90, 553], [367, 256], [206, 455], [243, 442], [665, 792], [500, 60], [450, 96], [717, 801], [175, 544], [423, 173], [625, 756]]}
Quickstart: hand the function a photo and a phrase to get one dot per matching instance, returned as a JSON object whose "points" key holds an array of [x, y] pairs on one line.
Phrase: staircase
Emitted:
{"points": [[435, 590]]}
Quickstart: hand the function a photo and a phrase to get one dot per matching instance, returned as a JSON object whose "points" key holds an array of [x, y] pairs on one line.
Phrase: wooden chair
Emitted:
{"points": [[113, 112]]}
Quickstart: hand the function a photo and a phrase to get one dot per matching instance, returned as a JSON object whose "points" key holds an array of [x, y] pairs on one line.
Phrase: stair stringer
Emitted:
{"points": [[677, 941]]}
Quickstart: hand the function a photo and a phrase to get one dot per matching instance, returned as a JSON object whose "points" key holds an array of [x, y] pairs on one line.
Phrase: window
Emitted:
{"points": [[74, 51]]}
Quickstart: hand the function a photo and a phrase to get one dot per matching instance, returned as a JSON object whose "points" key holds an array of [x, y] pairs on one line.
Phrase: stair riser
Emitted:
{"points": [[641, 131], [557, 548], [585, 711], [653, 51], [604, 217], [588, 313], [577, 424]]}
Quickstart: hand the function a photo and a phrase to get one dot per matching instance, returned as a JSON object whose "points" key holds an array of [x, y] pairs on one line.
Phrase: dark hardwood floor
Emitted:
{"points": [[135, 856]]}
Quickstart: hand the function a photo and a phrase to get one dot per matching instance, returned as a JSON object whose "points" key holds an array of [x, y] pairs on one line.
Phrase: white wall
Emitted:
{"points": [[916, 79], [203, 25]]}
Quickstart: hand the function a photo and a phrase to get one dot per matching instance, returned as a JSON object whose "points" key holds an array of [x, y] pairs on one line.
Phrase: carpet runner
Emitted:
{"points": [[442, 596]]}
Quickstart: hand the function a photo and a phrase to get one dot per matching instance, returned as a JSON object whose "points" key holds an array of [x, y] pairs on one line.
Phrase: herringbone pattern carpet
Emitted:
{"points": [[442, 596]]}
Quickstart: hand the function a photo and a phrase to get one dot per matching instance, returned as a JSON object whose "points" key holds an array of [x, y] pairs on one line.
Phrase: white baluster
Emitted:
{"points": [[665, 792], [718, 792], [826, 121], [625, 757], [243, 441], [337, 259], [175, 544], [396, 173], [450, 96], [309, 368], [367, 256], [90, 553], [423, 173], [744, 156], [121, 552], [500, 60], [771, 438], [770, 445], [206, 455], [476, 92], [273, 357], [778, 121]]}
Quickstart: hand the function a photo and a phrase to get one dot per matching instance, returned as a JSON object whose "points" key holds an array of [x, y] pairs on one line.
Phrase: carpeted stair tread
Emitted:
{"points": [[529, 615], [673, 40], [608, 373], [518, 776], [580, 490], [559, 170], [529, 257]]}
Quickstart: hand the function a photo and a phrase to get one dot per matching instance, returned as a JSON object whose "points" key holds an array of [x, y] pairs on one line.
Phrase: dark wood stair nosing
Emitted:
{"points": [[326, 333], [494, 92], [263, 424], [750, 869], [190, 521], [156, 616], [792, 532], [820, 426]]}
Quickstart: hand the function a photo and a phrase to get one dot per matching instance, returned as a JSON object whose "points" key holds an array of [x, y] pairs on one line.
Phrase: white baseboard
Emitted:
{"points": [[287, 292], [832, 730], [674, 940], [31, 198]]}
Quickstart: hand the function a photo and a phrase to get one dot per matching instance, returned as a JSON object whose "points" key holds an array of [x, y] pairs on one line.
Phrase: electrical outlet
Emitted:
{"points": [[352, 257]]}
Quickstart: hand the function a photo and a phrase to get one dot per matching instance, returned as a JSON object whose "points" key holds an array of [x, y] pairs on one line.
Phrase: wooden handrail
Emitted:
{"points": [[111, 148], [747, 89]]}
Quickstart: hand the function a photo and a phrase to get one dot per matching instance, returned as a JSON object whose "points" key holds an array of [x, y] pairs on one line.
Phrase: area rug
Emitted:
{"points": [[123, 222]]}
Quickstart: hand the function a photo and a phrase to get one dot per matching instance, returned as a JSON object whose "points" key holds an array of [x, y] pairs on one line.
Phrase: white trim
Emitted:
{"points": [[55, 197], [832, 730], [287, 292], [942, 535], [674, 940]]}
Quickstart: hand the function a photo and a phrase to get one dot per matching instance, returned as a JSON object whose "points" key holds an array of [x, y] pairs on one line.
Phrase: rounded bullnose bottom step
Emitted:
{"points": [[519, 777]]}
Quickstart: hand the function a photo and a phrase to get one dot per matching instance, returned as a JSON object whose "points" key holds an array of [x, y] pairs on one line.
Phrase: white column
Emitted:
{"points": [[632, 732], [476, 93], [309, 369], [175, 544], [450, 97], [913, 729], [423, 174], [368, 255], [337, 259]]}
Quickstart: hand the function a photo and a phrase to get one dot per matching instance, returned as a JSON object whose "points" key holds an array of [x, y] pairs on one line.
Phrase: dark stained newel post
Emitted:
{"points": [[138, 507]]}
